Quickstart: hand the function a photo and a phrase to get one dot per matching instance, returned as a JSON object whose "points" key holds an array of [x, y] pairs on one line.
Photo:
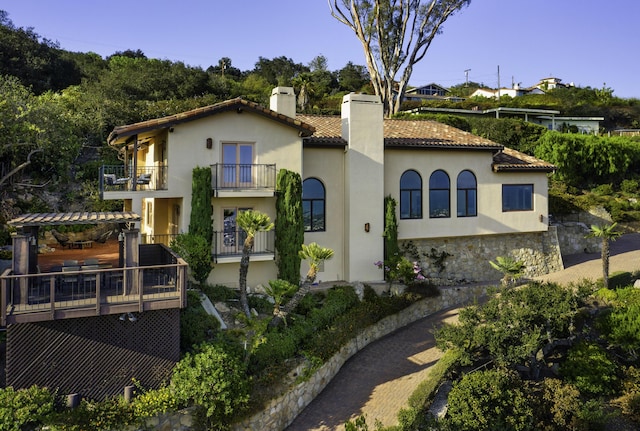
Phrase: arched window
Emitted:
{"points": [[467, 194], [410, 195], [313, 205], [439, 191]]}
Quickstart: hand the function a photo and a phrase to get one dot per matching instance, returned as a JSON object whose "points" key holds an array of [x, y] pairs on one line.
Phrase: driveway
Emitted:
{"points": [[378, 380]]}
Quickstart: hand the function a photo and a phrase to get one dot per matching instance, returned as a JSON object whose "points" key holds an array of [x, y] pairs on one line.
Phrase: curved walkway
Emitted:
{"points": [[378, 380]]}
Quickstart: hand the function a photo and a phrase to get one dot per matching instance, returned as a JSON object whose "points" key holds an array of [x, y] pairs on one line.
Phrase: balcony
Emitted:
{"points": [[94, 290], [234, 180], [227, 246], [120, 179]]}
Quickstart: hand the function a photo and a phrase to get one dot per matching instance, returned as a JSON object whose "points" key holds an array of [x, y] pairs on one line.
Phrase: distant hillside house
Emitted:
{"points": [[516, 91], [430, 92]]}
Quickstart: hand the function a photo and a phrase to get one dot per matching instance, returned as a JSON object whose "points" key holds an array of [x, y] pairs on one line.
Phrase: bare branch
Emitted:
{"points": [[21, 166]]}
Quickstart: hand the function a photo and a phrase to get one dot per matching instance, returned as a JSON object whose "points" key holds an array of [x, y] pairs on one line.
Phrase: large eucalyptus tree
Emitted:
{"points": [[395, 35]]}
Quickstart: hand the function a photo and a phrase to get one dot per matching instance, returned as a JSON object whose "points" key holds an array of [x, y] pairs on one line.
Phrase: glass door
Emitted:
{"points": [[237, 167]]}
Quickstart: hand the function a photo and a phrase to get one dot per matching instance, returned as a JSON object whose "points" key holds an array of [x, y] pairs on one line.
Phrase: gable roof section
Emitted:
{"points": [[425, 134], [509, 160], [237, 104]]}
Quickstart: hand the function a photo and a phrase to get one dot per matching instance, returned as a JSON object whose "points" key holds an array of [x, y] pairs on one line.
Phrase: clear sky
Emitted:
{"points": [[587, 42]]}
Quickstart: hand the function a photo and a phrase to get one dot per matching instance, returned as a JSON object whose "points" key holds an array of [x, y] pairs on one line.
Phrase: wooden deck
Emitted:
{"points": [[60, 292]]}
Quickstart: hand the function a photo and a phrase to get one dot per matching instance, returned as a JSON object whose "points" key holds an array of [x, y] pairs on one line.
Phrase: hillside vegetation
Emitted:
{"points": [[59, 106]]}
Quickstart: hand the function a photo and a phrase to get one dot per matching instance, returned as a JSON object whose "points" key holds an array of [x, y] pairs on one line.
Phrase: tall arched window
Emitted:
{"points": [[313, 205], [467, 194], [439, 191], [410, 195]]}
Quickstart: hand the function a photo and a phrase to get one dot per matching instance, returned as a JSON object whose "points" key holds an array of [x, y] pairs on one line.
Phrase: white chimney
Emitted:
{"points": [[362, 128], [283, 101]]}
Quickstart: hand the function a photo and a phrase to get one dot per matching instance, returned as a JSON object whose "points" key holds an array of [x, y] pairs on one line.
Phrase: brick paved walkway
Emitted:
{"points": [[378, 380]]}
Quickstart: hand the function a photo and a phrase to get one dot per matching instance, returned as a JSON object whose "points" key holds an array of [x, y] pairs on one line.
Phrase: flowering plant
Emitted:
{"points": [[401, 270]]}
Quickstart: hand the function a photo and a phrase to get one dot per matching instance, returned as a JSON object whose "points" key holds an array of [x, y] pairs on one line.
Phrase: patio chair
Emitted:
{"points": [[144, 179], [70, 263], [110, 179], [91, 261]]}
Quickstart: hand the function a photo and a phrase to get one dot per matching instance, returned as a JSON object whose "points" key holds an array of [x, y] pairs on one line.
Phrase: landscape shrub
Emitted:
{"points": [[629, 401], [196, 325], [218, 292], [153, 402], [630, 187], [23, 408], [274, 348], [413, 417], [195, 250], [621, 324], [213, 380], [110, 414], [557, 406], [490, 400], [588, 367]]}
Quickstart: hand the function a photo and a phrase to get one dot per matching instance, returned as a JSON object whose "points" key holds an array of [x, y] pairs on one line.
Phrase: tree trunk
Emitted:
{"points": [[605, 262], [281, 315], [244, 270]]}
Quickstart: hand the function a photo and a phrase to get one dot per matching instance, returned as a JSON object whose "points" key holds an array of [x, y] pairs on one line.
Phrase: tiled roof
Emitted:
{"points": [[412, 134], [237, 104], [402, 134], [512, 160]]}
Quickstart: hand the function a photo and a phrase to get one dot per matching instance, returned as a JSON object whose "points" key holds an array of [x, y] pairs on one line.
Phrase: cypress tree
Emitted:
{"points": [[390, 234], [288, 225], [201, 222]]}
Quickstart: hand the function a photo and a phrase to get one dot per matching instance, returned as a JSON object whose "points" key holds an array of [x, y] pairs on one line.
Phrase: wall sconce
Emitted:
{"points": [[367, 227], [541, 218], [170, 129], [209, 143]]}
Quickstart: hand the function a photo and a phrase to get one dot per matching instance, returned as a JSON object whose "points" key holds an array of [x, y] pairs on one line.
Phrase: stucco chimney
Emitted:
{"points": [[362, 128], [283, 101]]}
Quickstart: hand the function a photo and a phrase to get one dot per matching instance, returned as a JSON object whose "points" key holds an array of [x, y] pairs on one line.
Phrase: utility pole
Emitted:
{"points": [[466, 77], [498, 82]]}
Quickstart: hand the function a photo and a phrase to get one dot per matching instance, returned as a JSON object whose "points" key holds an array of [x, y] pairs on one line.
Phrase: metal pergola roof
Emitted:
{"points": [[53, 219]]}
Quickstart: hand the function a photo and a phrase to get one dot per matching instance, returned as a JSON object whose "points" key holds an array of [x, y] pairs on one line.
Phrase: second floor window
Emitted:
{"points": [[467, 201], [410, 195], [439, 195], [313, 205]]}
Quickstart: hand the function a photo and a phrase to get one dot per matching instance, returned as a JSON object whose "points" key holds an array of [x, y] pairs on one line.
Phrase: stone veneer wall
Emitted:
{"points": [[281, 412], [470, 256]]}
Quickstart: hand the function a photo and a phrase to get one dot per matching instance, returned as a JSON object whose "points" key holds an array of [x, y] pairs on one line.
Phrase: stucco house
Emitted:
{"points": [[456, 192]]}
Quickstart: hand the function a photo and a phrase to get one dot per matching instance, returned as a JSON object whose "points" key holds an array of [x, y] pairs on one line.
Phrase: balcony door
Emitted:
{"points": [[237, 167], [233, 237]]}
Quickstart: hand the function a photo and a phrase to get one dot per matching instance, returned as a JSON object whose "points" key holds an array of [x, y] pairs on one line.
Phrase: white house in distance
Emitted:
{"points": [[456, 192]]}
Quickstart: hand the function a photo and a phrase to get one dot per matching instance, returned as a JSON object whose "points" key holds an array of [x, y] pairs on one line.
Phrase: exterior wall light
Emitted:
{"points": [[367, 227], [209, 143]]}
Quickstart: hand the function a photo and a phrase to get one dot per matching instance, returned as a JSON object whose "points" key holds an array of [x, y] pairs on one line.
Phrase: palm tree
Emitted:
{"points": [[315, 255], [607, 233], [251, 222], [510, 268]]}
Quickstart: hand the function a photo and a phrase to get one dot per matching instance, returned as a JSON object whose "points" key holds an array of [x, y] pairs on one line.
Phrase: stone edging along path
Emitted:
{"points": [[281, 411]]}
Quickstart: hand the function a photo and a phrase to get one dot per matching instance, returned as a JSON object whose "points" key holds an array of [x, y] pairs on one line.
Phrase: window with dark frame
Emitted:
{"points": [[439, 195], [517, 197], [313, 205], [467, 194], [410, 195]]}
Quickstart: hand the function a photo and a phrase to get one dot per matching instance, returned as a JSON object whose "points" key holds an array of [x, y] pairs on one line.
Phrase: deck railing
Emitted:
{"points": [[157, 238], [120, 178], [243, 176], [92, 291]]}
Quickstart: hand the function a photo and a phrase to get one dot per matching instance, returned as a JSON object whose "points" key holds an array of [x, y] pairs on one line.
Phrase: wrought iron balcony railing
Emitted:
{"points": [[119, 178], [230, 242], [243, 177]]}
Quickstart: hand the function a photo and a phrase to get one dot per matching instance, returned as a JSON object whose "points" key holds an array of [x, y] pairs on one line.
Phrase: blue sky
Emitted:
{"points": [[586, 42]]}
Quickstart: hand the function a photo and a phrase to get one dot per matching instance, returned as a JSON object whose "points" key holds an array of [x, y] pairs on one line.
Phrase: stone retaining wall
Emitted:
{"points": [[470, 256]]}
